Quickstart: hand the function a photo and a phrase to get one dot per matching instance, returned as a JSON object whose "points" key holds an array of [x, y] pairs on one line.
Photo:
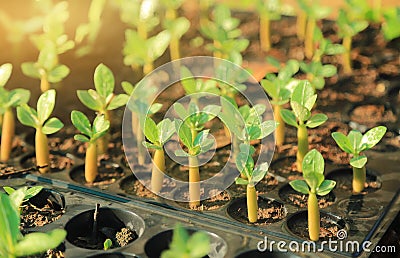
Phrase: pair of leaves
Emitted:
{"points": [[354, 143], [349, 27], [317, 71], [196, 245], [13, 98], [245, 165], [192, 85], [257, 131], [90, 133], [177, 27], [195, 118], [158, 134], [40, 118], [18, 197], [200, 144], [34, 70], [313, 172]]}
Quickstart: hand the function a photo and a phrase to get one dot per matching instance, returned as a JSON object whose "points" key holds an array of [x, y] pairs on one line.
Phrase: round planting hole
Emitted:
{"points": [[329, 226], [269, 211], [160, 242], [344, 178], [44, 208], [58, 161], [258, 254], [289, 195], [122, 227], [108, 173], [216, 202], [131, 185], [113, 255], [286, 167]]}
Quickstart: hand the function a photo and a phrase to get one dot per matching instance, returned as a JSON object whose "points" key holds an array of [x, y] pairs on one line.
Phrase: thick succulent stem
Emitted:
{"points": [[265, 34], [44, 84], [313, 217], [302, 145], [194, 182], [7, 135], [346, 56], [157, 173], [309, 40], [252, 205], [91, 169], [301, 25], [280, 130], [174, 49], [42, 151], [148, 68], [102, 142], [359, 178]]}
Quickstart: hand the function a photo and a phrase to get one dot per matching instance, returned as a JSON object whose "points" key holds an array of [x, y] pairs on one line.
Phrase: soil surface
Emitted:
{"points": [[344, 179], [108, 173], [289, 195], [216, 202], [57, 162], [133, 186], [32, 216]]}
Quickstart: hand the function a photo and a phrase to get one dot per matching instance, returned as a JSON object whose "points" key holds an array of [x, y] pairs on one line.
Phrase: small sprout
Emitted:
{"points": [[12, 242], [230, 74], [107, 244], [279, 88], [44, 125], [325, 46], [196, 245], [103, 100], [158, 135], [23, 195], [302, 101], [251, 176], [90, 134], [317, 72], [314, 184], [355, 143], [197, 143]]}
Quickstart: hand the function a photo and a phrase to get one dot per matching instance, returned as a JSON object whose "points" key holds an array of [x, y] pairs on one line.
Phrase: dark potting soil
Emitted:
{"points": [[51, 253], [269, 211], [108, 173], [32, 216], [344, 177], [289, 195], [216, 202], [266, 185], [7, 170], [133, 186], [57, 162], [328, 228], [372, 115]]}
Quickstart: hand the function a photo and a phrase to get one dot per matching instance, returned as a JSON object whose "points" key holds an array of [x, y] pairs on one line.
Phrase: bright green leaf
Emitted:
{"points": [[316, 120], [359, 161], [37, 242], [81, 138], [300, 186], [45, 105], [27, 116], [104, 80], [52, 125], [325, 187], [289, 117], [372, 137], [81, 122], [343, 142], [5, 73]]}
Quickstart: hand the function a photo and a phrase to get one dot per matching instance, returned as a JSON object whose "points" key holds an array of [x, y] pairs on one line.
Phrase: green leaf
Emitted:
{"points": [[313, 163], [18, 196], [33, 191], [355, 140], [300, 186], [107, 244], [8, 190], [358, 161], [301, 112], [184, 134], [181, 153], [314, 181], [325, 187], [18, 97], [166, 129], [199, 244], [104, 80], [343, 142], [267, 127], [181, 111], [81, 138], [241, 181], [9, 221], [328, 70], [58, 73], [151, 145], [81, 122], [30, 70], [100, 127], [27, 116], [212, 111], [180, 238], [154, 108], [151, 131], [303, 94], [52, 125], [118, 101], [289, 117], [157, 45], [372, 137], [316, 120], [259, 173], [5, 73], [127, 87], [36, 242], [89, 101], [45, 105]]}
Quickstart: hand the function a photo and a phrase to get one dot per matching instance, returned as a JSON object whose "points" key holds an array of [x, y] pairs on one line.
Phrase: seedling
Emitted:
{"points": [[228, 75], [325, 46], [314, 12], [279, 88], [355, 143], [196, 143], [251, 176], [185, 246], [107, 244], [90, 134], [302, 101], [317, 72], [140, 109], [103, 100], [225, 34], [26, 194], [390, 26], [158, 135], [177, 27], [5, 73], [12, 242], [349, 24], [39, 119], [268, 11], [314, 184], [9, 100]]}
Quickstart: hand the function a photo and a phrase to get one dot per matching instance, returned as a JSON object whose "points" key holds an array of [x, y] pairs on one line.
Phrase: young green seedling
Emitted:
{"points": [[302, 101], [184, 245], [317, 72], [26, 193], [140, 109], [158, 135], [90, 134], [355, 143], [225, 34], [5, 73], [251, 176], [196, 143], [268, 11], [314, 184], [12, 242], [103, 100], [39, 119], [107, 244], [279, 88], [228, 75], [177, 26], [349, 24], [9, 100], [390, 25]]}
